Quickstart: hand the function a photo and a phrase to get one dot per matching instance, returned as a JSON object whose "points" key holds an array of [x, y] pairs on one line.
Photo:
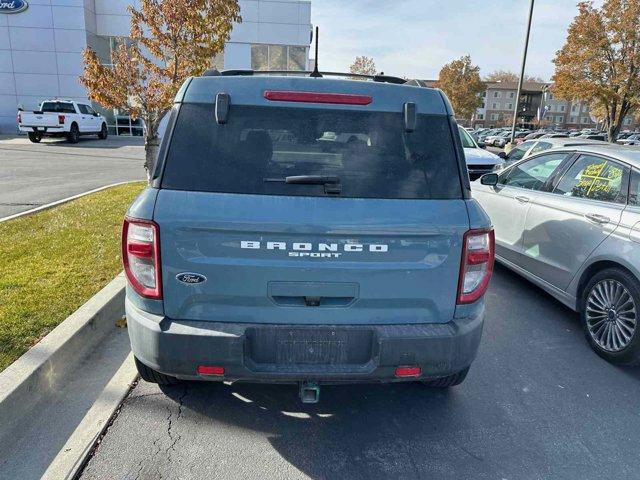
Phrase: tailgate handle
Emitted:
{"points": [[312, 301], [313, 294]]}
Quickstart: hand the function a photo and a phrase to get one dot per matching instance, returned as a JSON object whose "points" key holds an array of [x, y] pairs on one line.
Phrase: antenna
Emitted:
{"points": [[316, 73]]}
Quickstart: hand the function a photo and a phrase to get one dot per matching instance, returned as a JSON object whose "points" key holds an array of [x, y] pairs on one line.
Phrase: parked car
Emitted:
{"points": [[254, 254], [531, 147], [483, 136], [555, 135], [502, 140], [62, 118], [602, 137], [633, 139], [534, 135], [498, 139], [478, 161], [522, 136], [569, 221]]}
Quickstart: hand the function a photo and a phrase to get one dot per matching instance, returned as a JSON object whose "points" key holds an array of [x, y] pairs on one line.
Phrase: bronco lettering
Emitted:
{"points": [[309, 247]]}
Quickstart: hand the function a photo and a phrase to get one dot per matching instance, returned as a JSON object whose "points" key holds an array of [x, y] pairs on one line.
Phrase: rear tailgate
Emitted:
{"points": [[372, 235], [40, 120], [270, 259]]}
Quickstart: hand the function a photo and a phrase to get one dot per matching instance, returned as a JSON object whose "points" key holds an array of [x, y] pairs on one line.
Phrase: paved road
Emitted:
{"points": [[36, 174], [537, 404]]}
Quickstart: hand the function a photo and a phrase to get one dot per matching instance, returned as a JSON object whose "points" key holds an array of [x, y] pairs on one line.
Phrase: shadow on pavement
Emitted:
{"points": [[356, 431], [93, 142]]}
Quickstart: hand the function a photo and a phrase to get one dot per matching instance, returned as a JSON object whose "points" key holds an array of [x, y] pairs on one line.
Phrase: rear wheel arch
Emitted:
{"points": [[592, 270]]}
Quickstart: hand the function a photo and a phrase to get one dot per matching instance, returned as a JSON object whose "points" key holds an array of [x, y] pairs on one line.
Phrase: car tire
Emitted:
{"points": [[74, 134], [34, 137], [150, 375], [103, 133], [446, 382], [611, 300]]}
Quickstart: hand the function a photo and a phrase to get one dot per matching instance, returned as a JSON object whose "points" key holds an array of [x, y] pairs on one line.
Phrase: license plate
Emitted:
{"points": [[310, 346], [326, 348]]}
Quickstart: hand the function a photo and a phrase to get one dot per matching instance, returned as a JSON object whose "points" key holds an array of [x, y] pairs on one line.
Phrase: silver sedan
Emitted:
{"points": [[568, 220]]}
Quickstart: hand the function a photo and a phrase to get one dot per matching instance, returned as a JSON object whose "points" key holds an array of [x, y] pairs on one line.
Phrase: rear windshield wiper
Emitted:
{"points": [[331, 183]]}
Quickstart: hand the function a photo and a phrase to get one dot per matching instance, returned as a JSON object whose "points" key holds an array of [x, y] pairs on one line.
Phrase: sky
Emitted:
{"points": [[415, 38]]}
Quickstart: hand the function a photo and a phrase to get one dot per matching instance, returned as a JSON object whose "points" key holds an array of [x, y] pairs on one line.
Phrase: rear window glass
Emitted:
{"points": [[58, 107], [368, 153]]}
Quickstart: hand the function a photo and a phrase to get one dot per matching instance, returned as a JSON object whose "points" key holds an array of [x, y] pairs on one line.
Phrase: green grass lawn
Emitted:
{"points": [[54, 261]]}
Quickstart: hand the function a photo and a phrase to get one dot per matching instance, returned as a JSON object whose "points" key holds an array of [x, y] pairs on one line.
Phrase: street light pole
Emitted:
{"points": [[524, 63]]}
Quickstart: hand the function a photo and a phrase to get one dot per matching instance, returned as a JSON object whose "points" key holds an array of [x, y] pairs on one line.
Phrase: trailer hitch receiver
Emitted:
{"points": [[309, 392]]}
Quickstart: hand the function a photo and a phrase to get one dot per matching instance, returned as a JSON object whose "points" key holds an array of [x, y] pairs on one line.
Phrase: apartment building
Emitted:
{"points": [[42, 42], [536, 100]]}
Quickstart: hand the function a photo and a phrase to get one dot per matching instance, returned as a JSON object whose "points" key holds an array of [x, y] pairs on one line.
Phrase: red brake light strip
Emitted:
{"points": [[316, 97]]}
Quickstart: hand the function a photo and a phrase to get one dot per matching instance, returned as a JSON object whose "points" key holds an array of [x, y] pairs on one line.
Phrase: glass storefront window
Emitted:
{"points": [[102, 47], [297, 58], [260, 57], [278, 57]]}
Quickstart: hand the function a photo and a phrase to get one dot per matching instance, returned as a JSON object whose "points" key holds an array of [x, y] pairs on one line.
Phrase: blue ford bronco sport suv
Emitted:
{"points": [[307, 230]]}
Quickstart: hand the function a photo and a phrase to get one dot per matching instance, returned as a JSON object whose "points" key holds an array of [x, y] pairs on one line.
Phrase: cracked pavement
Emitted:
{"points": [[537, 404]]}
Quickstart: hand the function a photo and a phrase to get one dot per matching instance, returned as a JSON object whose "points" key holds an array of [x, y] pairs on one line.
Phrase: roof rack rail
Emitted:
{"points": [[248, 73]]}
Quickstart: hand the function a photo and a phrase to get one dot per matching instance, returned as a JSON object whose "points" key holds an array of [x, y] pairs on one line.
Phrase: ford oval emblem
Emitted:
{"points": [[191, 278], [13, 6]]}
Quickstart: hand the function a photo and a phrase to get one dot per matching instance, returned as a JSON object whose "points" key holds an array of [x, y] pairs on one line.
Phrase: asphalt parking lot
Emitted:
{"points": [[32, 175], [538, 404]]}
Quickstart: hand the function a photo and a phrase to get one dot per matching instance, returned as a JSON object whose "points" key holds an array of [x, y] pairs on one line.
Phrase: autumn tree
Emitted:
{"points": [[170, 40], [511, 77], [600, 61], [460, 80], [363, 66]]}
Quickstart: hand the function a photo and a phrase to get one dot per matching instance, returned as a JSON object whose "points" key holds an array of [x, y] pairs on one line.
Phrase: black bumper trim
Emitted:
{"points": [[176, 348]]}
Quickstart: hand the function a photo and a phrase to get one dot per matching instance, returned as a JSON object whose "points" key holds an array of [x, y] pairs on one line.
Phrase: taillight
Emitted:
{"points": [[61, 119], [476, 266], [141, 256]]}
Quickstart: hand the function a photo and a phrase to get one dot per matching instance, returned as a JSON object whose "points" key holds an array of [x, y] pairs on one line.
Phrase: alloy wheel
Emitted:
{"points": [[611, 315]]}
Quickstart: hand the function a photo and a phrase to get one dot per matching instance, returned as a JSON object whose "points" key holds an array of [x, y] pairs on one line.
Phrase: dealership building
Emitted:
{"points": [[42, 42]]}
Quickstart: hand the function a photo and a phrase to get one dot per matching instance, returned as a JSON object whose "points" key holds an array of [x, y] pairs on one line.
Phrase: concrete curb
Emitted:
{"points": [[41, 370], [60, 202], [72, 457]]}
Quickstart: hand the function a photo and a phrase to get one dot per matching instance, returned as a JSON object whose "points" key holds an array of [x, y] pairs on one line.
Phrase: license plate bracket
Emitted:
{"points": [[286, 346]]}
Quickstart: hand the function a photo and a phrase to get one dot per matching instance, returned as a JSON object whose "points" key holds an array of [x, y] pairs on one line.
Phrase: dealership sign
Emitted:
{"points": [[13, 6]]}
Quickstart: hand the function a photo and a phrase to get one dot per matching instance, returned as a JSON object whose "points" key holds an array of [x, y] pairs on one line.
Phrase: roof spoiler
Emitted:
{"points": [[249, 73]]}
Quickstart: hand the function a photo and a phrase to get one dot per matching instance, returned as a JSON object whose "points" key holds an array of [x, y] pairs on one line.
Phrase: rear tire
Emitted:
{"points": [[446, 382], [609, 309], [150, 375], [103, 133], [74, 134], [34, 137]]}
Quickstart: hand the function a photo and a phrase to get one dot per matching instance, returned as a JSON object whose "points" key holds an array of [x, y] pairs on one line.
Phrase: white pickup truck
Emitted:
{"points": [[62, 118]]}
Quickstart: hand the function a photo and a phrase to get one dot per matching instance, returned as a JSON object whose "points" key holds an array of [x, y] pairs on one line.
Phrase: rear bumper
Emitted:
{"points": [[177, 348], [42, 129]]}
